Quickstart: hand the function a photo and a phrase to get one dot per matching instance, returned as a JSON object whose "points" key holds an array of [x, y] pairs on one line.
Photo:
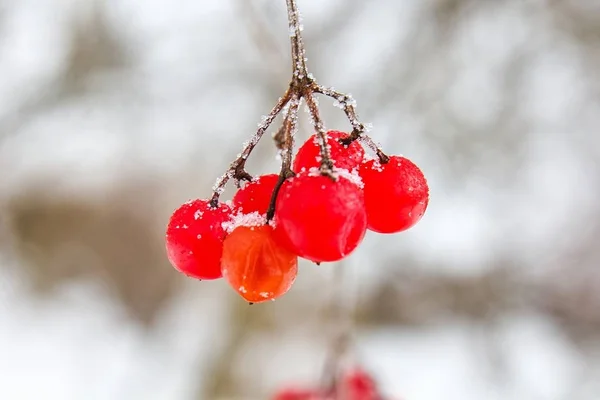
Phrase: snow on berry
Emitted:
{"points": [[345, 157], [256, 266], [396, 194], [252, 219], [320, 219], [353, 176], [194, 238]]}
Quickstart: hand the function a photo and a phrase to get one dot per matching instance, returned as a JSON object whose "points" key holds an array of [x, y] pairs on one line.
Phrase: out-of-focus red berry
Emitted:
{"points": [[358, 385], [194, 238], [298, 394]]}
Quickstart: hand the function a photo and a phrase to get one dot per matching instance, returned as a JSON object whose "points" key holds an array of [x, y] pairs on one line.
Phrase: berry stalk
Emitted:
{"points": [[348, 104], [300, 70], [237, 169], [286, 147], [313, 109]]}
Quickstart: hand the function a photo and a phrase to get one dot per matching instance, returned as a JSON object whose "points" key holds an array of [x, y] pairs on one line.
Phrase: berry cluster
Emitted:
{"points": [[354, 385], [319, 216], [318, 207]]}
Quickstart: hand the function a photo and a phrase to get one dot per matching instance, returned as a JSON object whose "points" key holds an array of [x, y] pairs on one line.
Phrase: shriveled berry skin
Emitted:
{"points": [[194, 238], [323, 220], [255, 196], [344, 157], [396, 194], [256, 266]]}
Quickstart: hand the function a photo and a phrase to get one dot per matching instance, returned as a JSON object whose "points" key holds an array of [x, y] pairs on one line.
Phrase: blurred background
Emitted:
{"points": [[114, 112]]}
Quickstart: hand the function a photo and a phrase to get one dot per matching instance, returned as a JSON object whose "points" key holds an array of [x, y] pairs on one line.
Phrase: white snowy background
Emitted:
{"points": [[114, 112]]}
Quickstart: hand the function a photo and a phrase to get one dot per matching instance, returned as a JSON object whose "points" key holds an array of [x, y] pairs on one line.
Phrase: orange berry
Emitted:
{"points": [[255, 265]]}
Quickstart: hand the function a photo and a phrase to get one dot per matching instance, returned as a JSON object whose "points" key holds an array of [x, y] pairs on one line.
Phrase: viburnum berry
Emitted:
{"points": [[255, 196], [255, 265], [194, 238], [299, 394], [322, 219], [343, 156], [358, 385], [396, 194]]}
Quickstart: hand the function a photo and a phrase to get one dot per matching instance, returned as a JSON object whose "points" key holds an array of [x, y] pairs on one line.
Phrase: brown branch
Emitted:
{"points": [[302, 86], [300, 70]]}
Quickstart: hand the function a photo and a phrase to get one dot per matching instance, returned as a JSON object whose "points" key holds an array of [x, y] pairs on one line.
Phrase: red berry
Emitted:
{"points": [[195, 237], [343, 157], [298, 394], [358, 385], [257, 267], [396, 194], [256, 195], [322, 219]]}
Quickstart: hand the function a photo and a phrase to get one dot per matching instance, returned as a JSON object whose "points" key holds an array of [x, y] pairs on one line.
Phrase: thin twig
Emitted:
{"points": [[348, 104], [297, 43], [313, 109], [237, 168], [290, 125]]}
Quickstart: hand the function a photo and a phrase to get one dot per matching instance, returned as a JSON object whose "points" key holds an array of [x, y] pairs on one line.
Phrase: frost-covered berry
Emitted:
{"points": [[255, 265], [321, 219], [255, 196], [194, 238], [396, 194], [343, 157]]}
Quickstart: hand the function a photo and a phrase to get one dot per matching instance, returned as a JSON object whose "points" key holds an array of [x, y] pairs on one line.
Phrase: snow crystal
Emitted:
{"points": [[199, 237], [369, 157], [240, 219], [185, 226], [242, 289], [314, 171], [198, 214], [265, 295], [377, 166], [352, 176]]}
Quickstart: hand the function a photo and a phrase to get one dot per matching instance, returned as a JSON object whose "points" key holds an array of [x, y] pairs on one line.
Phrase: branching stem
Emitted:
{"points": [[302, 86]]}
